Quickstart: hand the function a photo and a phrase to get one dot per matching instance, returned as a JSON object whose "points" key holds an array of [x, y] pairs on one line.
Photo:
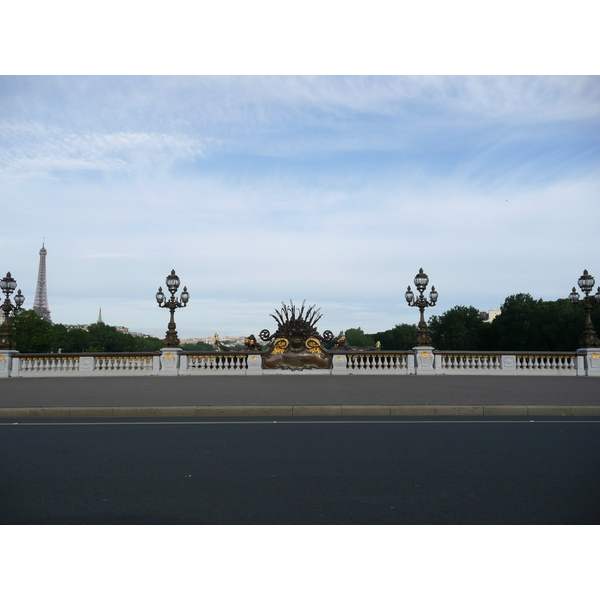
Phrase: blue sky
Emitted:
{"points": [[261, 189]]}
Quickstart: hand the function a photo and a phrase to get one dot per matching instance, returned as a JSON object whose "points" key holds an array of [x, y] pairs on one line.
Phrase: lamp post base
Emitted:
{"points": [[424, 360], [591, 357]]}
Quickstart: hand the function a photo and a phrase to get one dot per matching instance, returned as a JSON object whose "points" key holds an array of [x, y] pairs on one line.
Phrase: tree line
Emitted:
{"points": [[32, 333], [525, 324]]}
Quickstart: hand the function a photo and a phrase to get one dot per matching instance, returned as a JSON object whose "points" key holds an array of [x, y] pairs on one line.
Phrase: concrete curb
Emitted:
{"points": [[298, 411]]}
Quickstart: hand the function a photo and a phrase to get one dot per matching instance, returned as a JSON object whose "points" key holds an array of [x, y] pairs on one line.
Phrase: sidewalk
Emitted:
{"points": [[299, 395]]}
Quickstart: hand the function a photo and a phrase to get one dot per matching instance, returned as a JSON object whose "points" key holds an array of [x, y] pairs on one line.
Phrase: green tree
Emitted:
{"points": [[536, 325], [78, 340], [104, 338], [401, 337], [357, 337], [31, 333], [202, 346], [148, 344], [460, 328]]}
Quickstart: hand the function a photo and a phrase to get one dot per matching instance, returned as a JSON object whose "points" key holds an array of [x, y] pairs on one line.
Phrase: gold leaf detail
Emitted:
{"points": [[312, 345], [280, 345]]}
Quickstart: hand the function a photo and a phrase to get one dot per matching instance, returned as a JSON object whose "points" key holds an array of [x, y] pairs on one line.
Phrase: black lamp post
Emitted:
{"points": [[588, 303], [421, 282], [8, 285], [171, 340]]}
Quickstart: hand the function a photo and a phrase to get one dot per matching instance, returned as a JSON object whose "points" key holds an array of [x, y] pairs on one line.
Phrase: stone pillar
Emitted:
{"points": [[254, 365], [424, 360], [169, 361], [591, 360], [6, 364], [340, 362], [183, 364]]}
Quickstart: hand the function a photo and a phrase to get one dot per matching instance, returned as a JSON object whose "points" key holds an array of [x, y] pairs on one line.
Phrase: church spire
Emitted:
{"points": [[100, 317]]}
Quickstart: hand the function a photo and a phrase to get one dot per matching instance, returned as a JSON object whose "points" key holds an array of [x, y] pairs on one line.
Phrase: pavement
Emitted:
{"points": [[299, 395]]}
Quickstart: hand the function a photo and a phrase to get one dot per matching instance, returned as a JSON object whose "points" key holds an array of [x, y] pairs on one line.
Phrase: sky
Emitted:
{"points": [[259, 190]]}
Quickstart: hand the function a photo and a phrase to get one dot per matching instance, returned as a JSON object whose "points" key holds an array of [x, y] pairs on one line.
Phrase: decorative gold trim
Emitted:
{"points": [[340, 358], [425, 354], [595, 356], [169, 355], [280, 345], [312, 345], [1, 357], [254, 358]]}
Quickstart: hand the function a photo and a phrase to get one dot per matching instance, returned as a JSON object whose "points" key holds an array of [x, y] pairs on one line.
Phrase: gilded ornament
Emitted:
{"points": [[312, 345], [280, 345], [425, 354], [169, 355], [595, 356]]}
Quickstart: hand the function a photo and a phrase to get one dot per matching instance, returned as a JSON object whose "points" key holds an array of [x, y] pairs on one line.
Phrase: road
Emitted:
{"points": [[301, 471]]}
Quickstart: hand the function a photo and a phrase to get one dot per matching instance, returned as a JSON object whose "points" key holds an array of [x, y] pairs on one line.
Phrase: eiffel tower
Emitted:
{"points": [[40, 304]]}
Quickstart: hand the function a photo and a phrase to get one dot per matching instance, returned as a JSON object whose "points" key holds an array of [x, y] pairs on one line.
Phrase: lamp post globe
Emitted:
{"points": [[421, 282], [586, 282], [172, 282], [8, 286]]}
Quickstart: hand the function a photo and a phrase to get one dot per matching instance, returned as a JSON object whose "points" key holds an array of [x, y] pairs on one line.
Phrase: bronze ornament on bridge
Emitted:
{"points": [[296, 345]]}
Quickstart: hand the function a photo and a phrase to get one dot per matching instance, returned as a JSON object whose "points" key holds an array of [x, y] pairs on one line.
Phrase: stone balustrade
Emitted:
{"points": [[419, 361]]}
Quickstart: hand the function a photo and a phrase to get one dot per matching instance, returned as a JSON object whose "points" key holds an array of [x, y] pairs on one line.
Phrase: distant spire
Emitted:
{"points": [[100, 317], [40, 303]]}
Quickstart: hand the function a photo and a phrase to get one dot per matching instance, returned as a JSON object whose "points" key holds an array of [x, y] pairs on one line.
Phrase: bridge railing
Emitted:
{"points": [[506, 363], [419, 361]]}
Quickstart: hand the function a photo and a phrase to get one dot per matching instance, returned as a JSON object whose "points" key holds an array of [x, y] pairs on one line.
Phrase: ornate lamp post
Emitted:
{"points": [[8, 285], [588, 303], [171, 340], [421, 282]]}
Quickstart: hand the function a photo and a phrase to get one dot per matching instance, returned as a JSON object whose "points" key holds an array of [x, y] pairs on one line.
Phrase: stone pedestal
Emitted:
{"points": [[169, 361], [424, 364], [339, 363], [6, 358], [591, 361], [254, 365]]}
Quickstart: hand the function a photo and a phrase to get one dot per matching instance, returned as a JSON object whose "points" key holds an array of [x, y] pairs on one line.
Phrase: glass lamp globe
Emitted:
{"points": [[185, 297], [19, 299], [172, 282], [433, 295], [409, 295], [8, 284], [160, 297], [586, 283], [574, 296], [421, 280]]}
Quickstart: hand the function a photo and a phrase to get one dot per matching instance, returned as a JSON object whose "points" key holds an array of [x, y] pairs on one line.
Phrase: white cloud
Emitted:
{"points": [[37, 151]]}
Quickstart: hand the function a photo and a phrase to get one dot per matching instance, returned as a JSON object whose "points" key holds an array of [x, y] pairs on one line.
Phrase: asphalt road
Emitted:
{"points": [[310, 471], [309, 390]]}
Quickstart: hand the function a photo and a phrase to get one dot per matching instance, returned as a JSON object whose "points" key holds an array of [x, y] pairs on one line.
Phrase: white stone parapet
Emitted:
{"points": [[422, 360]]}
